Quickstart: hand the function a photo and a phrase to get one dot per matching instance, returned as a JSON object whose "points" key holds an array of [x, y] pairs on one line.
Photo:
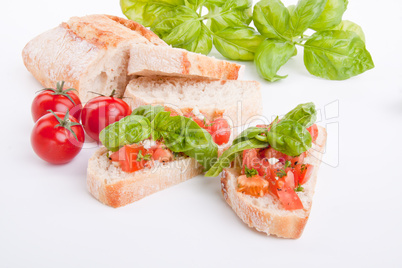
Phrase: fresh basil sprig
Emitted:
{"points": [[288, 136], [181, 24], [180, 134]]}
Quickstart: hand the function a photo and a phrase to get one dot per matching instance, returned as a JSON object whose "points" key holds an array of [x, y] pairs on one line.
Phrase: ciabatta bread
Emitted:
{"points": [[89, 53], [237, 101], [116, 188], [92, 53], [266, 214]]}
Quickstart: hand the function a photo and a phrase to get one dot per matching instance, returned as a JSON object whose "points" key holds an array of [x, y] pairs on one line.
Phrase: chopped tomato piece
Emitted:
{"points": [[302, 173], [162, 155], [290, 179], [128, 158], [220, 131], [296, 159], [289, 199], [313, 132], [251, 160], [254, 186], [272, 153], [202, 123]]}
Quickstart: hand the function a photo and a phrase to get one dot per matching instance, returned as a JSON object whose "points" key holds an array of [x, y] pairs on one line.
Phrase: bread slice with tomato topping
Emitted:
{"points": [[266, 213], [112, 186], [92, 53]]}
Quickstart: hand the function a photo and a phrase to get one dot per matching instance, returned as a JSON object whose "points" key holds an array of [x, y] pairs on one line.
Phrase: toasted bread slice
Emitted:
{"points": [[116, 188], [92, 53], [239, 102], [266, 214]]}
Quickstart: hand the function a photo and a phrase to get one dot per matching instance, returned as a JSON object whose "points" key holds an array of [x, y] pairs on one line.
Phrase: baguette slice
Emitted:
{"points": [[116, 188], [266, 214], [167, 61], [92, 53], [237, 101]]}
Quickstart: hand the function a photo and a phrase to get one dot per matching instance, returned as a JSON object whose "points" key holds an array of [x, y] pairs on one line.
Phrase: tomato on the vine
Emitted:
{"points": [[57, 140], [58, 100], [102, 111]]}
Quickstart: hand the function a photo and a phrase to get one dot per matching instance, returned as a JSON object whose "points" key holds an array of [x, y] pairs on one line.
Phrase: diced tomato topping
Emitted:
{"points": [[220, 131], [289, 199], [272, 153], [251, 160], [127, 156], [302, 173], [162, 155], [205, 124], [296, 159], [313, 132], [254, 186]]}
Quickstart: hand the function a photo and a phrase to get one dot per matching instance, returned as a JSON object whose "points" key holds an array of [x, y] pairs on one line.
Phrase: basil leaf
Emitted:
{"points": [[331, 16], [271, 18], [336, 55], [238, 43], [346, 25], [205, 154], [249, 134], [222, 15], [289, 137], [229, 155], [270, 56], [305, 13], [179, 133], [130, 129], [201, 44], [148, 111], [304, 114], [194, 4], [178, 27], [146, 11]]}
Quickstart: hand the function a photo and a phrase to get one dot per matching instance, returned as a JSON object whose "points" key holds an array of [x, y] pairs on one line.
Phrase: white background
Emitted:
{"points": [[48, 218]]}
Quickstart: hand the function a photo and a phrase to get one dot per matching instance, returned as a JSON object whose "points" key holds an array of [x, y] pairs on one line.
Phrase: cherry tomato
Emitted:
{"points": [[57, 140], [102, 111], [220, 131], [57, 100]]}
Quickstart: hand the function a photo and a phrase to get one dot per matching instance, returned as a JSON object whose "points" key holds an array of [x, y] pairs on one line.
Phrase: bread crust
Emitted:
{"points": [[287, 224], [182, 63], [120, 189]]}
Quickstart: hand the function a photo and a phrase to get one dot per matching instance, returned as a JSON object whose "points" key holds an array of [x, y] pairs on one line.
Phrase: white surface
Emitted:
{"points": [[48, 219]]}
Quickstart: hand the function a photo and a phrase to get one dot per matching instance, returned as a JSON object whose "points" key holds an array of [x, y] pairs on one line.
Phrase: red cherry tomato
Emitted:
{"points": [[57, 100], [220, 130], [102, 111], [57, 140]]}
